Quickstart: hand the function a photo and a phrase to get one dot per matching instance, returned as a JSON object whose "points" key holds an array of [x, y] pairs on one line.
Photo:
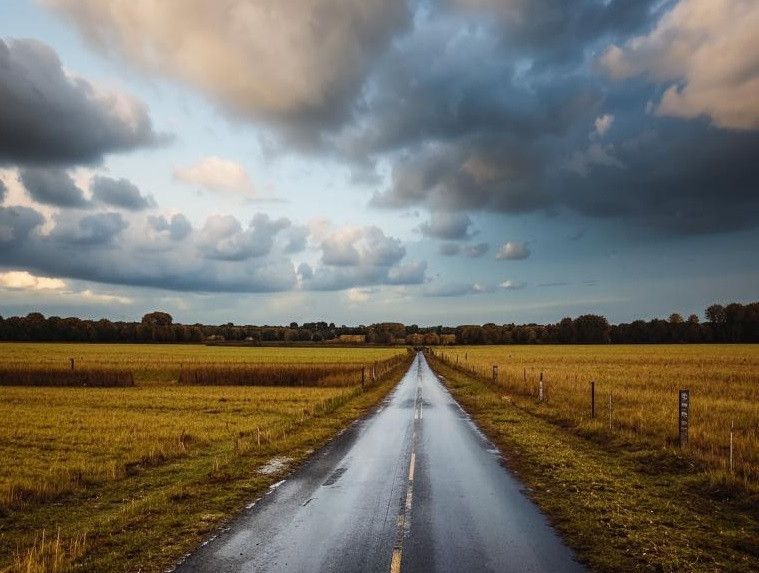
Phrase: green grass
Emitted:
{"points": [[621, 507]]}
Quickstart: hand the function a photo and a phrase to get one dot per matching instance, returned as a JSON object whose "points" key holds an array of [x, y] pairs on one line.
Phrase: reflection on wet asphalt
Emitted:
{"points": [[414, 487]]}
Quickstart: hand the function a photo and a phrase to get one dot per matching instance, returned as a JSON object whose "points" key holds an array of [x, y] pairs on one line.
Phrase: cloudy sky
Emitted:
{"points": [[355, 161]]}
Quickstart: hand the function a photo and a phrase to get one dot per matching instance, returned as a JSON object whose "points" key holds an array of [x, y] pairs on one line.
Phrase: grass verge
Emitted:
{"points": [[150, 518], [620, 508]]}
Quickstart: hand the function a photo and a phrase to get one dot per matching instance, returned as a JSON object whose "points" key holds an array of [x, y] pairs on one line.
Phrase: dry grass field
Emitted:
{"points": [[82, 467], [643, 382], [161, 364]]}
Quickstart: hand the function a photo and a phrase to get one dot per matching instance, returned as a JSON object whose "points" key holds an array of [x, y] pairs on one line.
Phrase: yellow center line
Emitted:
{"points": [[395, 564]]}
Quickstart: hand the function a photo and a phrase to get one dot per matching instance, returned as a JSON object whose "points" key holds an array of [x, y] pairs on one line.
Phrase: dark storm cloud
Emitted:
{"points": [[556, 32], [672, 176], [120, 193], [95, 229], [52, 186], [49, 117], [467, 175], [472, 131], [16, 224], [475, 105], [502, 116]]}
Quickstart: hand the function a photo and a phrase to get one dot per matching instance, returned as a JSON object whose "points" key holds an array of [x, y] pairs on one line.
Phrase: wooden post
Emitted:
{"points": [[72, 363], [731, 447], [592, 400], [495, 372], [540, 388], [683, 415], [363, 376]]}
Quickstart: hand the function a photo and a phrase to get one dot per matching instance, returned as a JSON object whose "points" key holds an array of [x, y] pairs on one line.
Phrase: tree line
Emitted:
{"points": [[730, 323]]}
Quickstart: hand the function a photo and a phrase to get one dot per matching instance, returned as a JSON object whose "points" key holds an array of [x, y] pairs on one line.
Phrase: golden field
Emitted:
{"points": [[82, 467], [160, 364], [643, 382]]}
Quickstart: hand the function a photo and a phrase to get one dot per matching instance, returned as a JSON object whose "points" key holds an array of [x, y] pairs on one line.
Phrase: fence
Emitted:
{"points": [[635, 400], [317, 374]]}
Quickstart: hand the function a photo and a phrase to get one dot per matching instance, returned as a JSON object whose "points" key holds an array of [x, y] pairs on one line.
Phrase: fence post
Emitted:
{"points": [[363, 377], [495, 372], [592, 400], [540, 388], [731, 447], [72, 363], [683, 411]]}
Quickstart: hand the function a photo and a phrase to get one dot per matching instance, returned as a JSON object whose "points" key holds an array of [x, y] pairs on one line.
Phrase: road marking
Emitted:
{"points": [[411, 467], [395, 565]]}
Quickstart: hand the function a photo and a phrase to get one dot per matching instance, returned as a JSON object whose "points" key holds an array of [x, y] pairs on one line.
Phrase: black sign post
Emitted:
{"points": [[683, 416]]}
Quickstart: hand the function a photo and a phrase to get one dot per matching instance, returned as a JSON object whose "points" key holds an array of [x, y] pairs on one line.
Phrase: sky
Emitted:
{"points": [[358, 161]]}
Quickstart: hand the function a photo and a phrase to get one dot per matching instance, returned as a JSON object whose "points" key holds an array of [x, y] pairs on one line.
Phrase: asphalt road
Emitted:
{"points": [[414, 487]]}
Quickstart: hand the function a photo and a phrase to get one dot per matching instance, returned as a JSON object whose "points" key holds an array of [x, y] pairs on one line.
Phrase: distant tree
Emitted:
{"points": [[565, 333], [591, 329], [157, 318], [715, 314]]}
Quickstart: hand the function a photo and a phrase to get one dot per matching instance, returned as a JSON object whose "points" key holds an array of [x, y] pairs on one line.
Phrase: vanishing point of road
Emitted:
{"points": [[414, 487]]}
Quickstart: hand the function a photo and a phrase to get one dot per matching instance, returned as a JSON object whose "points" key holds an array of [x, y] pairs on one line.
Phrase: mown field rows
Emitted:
{"points": [[643, 382], [66, 449]]}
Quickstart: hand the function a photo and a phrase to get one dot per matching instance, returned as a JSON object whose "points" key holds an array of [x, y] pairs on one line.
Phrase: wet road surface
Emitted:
{"points": [[415, 487]]}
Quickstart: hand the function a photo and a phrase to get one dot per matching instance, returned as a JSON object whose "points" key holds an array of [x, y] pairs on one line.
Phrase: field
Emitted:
{"points": [[642, 384], [92, 476], [621, 503], [161, 364]]}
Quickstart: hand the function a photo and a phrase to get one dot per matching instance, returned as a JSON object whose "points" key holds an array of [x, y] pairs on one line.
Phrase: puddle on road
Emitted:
{"points": [[274, 466]]}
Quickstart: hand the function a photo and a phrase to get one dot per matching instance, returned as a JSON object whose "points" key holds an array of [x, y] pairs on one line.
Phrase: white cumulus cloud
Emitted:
{"points": [[512, 251]]}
